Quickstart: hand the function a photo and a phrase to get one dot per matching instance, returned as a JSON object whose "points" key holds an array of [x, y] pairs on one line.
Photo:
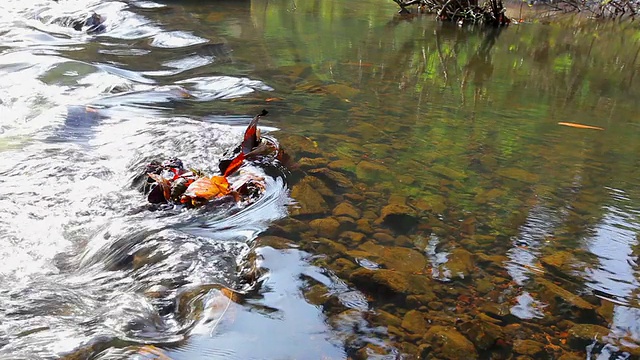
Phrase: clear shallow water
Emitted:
{"points": [[464, 120]]}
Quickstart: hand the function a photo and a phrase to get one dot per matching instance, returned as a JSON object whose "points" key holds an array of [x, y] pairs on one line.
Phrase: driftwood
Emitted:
{"points": [[491, 12]]}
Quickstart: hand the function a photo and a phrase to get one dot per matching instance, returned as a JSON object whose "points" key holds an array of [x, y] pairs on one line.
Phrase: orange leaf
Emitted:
{"points": [[580, 126], [208, 188]]}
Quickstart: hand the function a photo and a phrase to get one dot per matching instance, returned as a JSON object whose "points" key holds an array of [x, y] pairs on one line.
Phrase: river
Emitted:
{"points": [[444, 203]]}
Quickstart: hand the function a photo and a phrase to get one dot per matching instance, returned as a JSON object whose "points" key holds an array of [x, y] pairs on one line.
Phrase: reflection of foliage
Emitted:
{"points": [[459, 112], [491, 12], [606, 9]]}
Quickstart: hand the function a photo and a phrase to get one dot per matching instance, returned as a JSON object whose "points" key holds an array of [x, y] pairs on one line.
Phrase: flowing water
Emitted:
{"points": [[435, 191]]}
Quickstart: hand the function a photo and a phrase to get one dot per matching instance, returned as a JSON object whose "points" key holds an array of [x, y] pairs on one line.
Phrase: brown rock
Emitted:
{"points": [[355, 197], [460, 263], [416, 301], [387, 319], [528, 347], [312, 163], [368, 171], [289, 227], [554, 291], [369, 351], [398, 217], [317, 294], [346, 223], [495, 310], [327, 246], [327, 227], [333, 178], [275, 241], [380, 280], [384, 238], [562, 262], [394, 257], [364, 225], [347, 209], [482, 333], [353, 237], [583, 334], [342, 165], [448, 343], [402, 259], [448, 172], [518, 174], [344, 267], [571, 356], [415, 322], [309, 201], [299, 146]]}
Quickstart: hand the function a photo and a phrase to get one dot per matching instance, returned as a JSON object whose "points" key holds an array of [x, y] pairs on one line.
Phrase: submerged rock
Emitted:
{"points": [[333, 178], [347, 209], [309, 201], [391, 281], [553, 291], [399, 217], [312, 163], [528, 347], [460, 263], [414, 321], [368, 171], [448, 343], [327, 227], [582, 335], [299, 146], [394, 257], [483, 334], [343, 165]]}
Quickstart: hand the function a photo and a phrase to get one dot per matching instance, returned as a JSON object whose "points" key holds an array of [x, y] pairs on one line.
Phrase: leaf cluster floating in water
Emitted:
{"points": [[169, 182]]}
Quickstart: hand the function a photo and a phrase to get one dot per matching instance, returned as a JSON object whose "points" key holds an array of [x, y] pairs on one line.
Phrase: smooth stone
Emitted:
{"points": [[415, 322], [342, 165], [460, 263], [482, 333], [312, 163], [387, 318], [552, 290], [364, 226], [398, 217], [309, 201], [317, 295], [528, 347], [448, 343], [277, 242], [369, 171], [347, 209], [327, 227], [353, 237], [336, 179], [330, 247], [299, 146], [355, 197], [384, 238], [584, 334]]}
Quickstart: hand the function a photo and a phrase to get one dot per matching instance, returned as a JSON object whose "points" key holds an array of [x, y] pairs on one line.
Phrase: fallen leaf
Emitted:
{"points": [[580, 126]]}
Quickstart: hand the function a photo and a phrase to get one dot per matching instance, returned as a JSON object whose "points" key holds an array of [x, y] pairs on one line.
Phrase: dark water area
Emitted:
{"points": [[438, 209]]}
